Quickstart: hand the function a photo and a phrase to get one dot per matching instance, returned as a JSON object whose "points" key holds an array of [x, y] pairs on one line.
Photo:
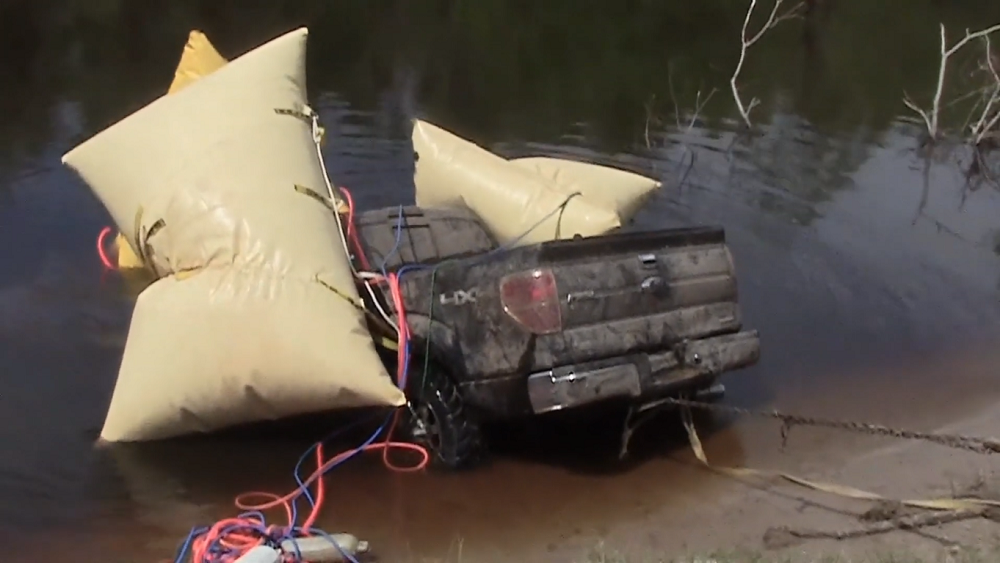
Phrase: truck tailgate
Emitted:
{"points": [[617, 294], [685, 276]]}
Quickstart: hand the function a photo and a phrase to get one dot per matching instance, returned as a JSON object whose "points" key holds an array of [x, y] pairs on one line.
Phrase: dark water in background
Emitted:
{"points": [[871, 272]]}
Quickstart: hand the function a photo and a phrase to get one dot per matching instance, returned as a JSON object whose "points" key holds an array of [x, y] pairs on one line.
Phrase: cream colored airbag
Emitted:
{"points": [[610, 188], [223, 196], [199, 58], [510, 200]]}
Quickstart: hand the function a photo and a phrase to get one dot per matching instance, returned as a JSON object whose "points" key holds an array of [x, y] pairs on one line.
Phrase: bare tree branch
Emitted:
{"points": [[673, 93], [990, 116], [650, 119], [699, 105], [746, 42], [931, 117]]}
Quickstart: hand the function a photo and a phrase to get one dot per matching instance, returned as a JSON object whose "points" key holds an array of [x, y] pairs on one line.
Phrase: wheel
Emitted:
{"points": [[438, 420]]}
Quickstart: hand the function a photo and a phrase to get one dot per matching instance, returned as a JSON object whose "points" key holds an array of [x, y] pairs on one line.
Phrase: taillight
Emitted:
{"points": [[532, 299]]}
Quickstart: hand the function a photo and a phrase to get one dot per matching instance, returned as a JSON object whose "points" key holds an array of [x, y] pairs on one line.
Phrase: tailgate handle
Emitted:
{"points": [[655, 285]]}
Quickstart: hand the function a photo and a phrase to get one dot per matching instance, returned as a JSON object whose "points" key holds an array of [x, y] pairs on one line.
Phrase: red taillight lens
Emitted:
{"points": [[532, 299]]}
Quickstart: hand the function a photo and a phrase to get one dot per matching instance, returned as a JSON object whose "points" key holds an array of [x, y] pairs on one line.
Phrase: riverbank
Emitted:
{"points": [[555, 513], [740, 527], [985, 554]]}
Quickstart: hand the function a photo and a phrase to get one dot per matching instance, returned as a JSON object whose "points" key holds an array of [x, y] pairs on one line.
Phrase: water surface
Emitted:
{"points": [[870, 270]]}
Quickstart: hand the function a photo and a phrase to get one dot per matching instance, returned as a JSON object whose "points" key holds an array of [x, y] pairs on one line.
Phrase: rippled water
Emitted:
{"points": [[871, 271]]}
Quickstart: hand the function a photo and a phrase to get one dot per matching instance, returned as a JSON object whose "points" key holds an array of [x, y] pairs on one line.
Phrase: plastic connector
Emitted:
{"points": [[261, 554], [319, 549]]}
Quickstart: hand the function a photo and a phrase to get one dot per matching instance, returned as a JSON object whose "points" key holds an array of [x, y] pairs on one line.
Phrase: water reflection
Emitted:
{"points": [[853, 250]]}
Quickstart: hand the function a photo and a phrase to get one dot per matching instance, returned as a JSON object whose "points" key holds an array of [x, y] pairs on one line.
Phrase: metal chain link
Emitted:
{"points": [[784, 537], [968, 443]]}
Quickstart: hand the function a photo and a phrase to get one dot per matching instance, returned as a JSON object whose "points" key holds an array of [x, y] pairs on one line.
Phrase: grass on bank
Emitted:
{"points": [[951, 555]]}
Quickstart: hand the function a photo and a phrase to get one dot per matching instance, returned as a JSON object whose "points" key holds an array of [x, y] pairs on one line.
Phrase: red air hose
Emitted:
{"points": [[228, 539], [101, 253], [236, 536]]}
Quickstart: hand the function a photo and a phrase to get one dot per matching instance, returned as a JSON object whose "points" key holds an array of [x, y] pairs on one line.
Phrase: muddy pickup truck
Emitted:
{"points": [[631, 317]]}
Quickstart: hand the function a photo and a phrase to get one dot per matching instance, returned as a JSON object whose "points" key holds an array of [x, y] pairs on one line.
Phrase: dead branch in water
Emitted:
{"points": [[991, 100], [931, 117], [683, 128], [746, 42], [699, 103], [651, 119]]}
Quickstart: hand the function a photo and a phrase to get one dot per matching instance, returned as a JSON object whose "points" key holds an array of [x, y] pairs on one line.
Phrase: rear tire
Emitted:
{"points": [[438, 420]]}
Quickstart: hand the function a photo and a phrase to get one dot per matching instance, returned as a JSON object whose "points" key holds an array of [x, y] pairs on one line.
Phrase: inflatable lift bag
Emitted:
{"points": [[223, 197], [198, 59], [620, 191], [512, 195], [509, 199]]}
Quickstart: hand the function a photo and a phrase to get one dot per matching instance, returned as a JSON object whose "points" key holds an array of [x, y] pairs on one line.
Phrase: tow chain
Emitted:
{"points": [[968, 443], [783, 537], [942, 510]]}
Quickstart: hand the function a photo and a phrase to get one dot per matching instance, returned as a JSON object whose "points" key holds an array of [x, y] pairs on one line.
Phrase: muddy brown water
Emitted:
{"points": [[871, 272]]}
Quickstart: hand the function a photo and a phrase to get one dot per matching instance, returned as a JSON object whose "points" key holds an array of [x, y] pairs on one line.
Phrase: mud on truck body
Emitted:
{"points": [[630, 316]]}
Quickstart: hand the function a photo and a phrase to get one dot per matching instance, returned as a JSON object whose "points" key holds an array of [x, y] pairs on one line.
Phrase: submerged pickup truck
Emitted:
{"points": [[630, 316]]}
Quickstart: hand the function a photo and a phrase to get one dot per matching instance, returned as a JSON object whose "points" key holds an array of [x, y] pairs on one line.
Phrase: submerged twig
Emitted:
{"points": [[746, 42], [931, 117], [991, 112], [650, 119], [783, 537]]}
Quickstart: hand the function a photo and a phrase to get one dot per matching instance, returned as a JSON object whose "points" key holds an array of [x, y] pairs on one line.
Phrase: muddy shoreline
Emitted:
{"points": [[742, 516], [871, 273], [543, 516]]}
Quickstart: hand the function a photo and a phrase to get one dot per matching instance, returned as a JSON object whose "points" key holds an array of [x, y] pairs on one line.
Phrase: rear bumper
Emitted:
{"points": [[637, 377], [641, 376]]}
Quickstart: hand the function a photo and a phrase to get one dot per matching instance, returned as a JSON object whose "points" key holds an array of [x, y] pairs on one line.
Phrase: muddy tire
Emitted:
{"points": [[439, 421]]}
